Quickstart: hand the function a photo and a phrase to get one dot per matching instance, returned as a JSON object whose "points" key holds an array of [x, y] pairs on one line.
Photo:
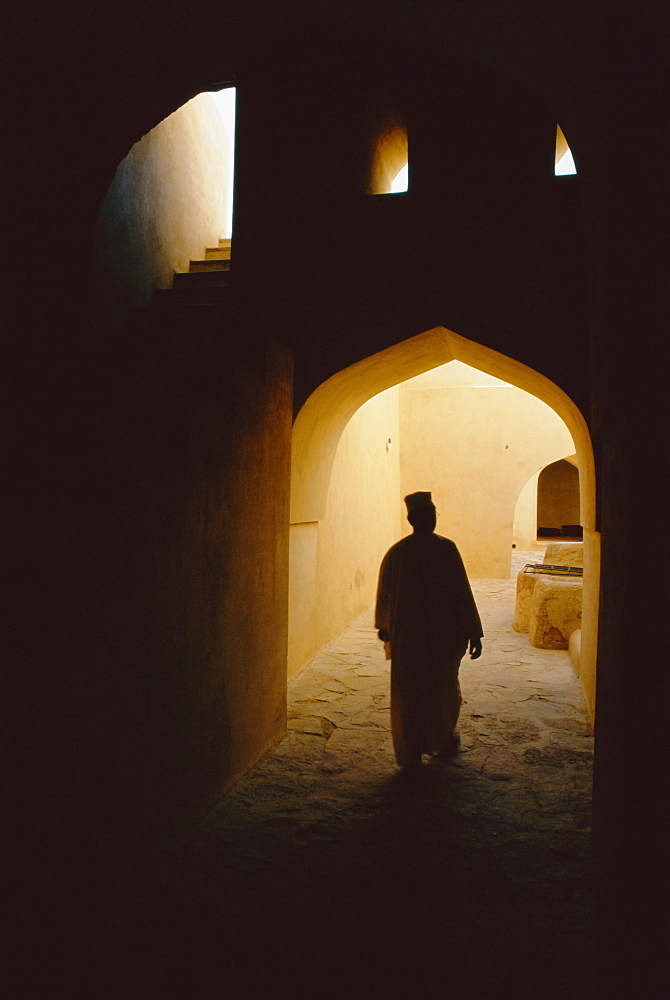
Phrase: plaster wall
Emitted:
{"points": [[166, 203], [241, 467], [588, 654], [524, 531], [558, 495], [475, 441], [189, 681], [334, 561]]}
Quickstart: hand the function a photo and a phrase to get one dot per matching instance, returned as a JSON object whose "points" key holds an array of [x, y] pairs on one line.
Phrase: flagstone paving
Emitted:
{"points": [[328, 871]]}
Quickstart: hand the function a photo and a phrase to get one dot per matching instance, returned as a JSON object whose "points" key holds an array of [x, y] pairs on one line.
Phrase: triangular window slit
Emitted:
{"points": [[564, 162]]}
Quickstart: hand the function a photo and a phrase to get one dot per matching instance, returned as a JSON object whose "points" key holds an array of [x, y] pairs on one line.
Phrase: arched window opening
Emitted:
{"points": [[166, 220], [564, 163], [389, 162]]}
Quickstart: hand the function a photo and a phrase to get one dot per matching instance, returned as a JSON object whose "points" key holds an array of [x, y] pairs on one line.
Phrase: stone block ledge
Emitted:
{"points": [[555, 612], [565, 554]]}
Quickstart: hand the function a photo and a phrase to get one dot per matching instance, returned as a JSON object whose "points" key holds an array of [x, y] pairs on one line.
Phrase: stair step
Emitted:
{"points": [[217, 253], [200, 279], [225, 243], [209, 265]]}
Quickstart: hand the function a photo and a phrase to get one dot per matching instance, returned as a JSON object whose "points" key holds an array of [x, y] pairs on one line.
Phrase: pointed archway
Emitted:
{"points": [[325, 415]]}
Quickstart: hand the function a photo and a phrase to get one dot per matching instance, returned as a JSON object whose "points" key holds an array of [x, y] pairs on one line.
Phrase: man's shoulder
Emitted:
{"points": [[412, 539], [445, 542], [410, 542], [398, 546], [448, 549]]}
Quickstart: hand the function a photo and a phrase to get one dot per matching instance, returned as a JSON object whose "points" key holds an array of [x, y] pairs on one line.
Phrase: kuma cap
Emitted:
{"points": [[417, 501]]}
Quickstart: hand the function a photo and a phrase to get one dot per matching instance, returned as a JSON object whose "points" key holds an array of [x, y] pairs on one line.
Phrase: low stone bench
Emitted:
{"points": [[556, 554], [525, 585], [552, 613], [555, 612]]}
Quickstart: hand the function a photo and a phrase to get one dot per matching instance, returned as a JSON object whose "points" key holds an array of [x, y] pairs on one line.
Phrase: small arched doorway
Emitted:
{"points": [[319, 428], [558, 507]]}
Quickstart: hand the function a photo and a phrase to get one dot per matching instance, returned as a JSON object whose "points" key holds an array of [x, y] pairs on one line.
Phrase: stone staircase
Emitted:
{"points": [[205, 281]]}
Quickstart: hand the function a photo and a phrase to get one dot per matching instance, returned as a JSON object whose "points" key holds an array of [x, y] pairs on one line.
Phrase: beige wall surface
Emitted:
{"points": [[475, 441], [524, 532], [196, 613], [167, 202], [231, 591], [590, 610], [334, 561]]}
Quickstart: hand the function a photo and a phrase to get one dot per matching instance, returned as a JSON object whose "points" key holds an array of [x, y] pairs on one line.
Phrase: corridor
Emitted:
{"points": [[327, 871]]}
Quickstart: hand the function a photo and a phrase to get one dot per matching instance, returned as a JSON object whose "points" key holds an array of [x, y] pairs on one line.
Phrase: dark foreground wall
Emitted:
{"points": [[157, 611], [196, 462]]}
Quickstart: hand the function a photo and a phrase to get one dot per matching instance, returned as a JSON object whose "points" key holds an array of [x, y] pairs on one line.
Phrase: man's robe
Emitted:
{"points": [[425, 603]]}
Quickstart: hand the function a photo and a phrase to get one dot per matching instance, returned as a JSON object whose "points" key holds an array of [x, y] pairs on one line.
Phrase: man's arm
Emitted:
{"points": [[472, 624], [383, 604]]}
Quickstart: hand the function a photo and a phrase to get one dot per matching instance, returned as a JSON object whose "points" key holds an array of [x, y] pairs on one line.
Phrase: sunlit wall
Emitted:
{"points": [[334, 561], [475, 440]]}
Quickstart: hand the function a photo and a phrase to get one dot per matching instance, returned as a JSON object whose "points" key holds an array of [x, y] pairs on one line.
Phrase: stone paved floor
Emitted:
{"points": [[328, 872]]}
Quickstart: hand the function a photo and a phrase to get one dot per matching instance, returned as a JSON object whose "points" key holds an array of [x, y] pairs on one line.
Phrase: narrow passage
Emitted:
{"points": [[327, 869]]}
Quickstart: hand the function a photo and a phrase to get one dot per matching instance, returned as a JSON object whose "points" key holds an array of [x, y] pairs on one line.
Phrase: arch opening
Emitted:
{"points": [[332, 414], [558, 508], [389, 167], [169, 207], [548, 506]]}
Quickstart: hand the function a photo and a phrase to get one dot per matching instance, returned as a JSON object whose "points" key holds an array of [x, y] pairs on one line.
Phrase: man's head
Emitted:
{"points": [[421, 512]]}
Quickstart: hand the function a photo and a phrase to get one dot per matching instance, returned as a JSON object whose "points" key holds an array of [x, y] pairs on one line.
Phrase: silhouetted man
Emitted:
{"points": [[427, 614]]}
